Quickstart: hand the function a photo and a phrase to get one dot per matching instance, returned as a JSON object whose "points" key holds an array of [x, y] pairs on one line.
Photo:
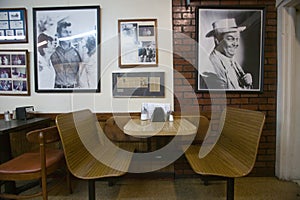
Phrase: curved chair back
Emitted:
{"points": [[234, 153], [240, 136], [84, 143]]}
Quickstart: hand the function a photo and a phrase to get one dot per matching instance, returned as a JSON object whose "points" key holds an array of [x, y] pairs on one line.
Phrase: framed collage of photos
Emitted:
{"points": [[14, 72], [67, 49], [13, 25], [137, 43]]}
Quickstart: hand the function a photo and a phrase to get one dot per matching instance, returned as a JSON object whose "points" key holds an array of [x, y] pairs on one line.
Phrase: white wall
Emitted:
{"points": [[111, 11]]}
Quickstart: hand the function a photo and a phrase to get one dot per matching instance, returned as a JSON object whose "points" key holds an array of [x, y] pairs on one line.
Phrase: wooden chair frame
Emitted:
{"points": [[35, 165]]}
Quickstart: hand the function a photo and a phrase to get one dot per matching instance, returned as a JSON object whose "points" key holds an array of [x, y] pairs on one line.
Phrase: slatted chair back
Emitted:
{"points": [[234, 153], [240, 137], [89, 153]]}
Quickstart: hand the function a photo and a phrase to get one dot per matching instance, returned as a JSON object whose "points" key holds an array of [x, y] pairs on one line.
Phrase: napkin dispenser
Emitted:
{"points": [[25, 112], [158, 115]]}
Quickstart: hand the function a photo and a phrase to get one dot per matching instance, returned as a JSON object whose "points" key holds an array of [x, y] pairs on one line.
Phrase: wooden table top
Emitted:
{"points": [[15, 125], [138, 128]]}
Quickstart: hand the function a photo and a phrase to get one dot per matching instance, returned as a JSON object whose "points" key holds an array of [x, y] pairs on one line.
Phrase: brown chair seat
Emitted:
{"points": [[30, 162], [33, 166]]}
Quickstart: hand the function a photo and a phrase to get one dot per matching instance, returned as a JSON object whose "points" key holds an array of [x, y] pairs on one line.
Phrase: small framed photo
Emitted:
{"points": [[13, 25], [138, 43], [14, 72], [230, 48], [67, 49]]}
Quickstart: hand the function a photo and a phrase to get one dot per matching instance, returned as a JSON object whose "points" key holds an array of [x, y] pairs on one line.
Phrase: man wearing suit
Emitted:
{"points": [[224, 71]]}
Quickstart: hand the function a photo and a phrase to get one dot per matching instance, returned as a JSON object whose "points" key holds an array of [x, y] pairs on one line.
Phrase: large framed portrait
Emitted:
{"points": [[14, 73], [13, 25], [67, 49], [230, 53], [137, 43]]}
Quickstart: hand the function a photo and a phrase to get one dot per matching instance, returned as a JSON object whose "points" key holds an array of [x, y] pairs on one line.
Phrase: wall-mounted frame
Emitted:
{"points": [[230, 48], [139, 84], [13, 25], [67, 49], [14, 73], [138, 43]]}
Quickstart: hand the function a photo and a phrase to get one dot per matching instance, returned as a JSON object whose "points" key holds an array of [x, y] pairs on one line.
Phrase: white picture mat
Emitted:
{"points": [[151, 106]]}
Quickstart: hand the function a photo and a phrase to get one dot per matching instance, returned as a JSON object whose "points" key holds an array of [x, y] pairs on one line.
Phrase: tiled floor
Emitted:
{"points": [[247, 188]]}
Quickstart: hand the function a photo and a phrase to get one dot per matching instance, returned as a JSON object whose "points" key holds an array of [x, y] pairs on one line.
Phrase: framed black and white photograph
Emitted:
{"points": [[138, 43], [14, 73], [230, 53], [67, 49], [13, 25]]}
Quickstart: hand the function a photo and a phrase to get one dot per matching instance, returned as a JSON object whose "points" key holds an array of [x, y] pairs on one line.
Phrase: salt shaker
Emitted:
{"points": [[171, 118], [6, 116], [144, 114]]}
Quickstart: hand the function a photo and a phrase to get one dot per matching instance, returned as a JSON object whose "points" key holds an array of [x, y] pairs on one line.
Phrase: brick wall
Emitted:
{"points": [[185, 57]]}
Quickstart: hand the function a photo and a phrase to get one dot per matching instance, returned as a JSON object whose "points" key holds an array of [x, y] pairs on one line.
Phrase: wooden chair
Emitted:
{"points": [[234, 153], [35, 165], [86, 148]]}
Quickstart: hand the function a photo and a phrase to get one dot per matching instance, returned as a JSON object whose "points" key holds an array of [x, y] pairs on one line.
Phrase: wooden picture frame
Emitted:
{"points": [[14, 73], [67, 49], [230, 48], [139, 84], [137, 43], [13, 25]]}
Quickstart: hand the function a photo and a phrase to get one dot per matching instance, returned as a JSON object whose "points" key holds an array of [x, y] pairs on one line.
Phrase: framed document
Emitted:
{"points": [[138, 84]]}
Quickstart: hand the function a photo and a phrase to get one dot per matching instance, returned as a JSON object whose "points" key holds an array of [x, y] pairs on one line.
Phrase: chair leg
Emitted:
{"points": [[205, 180], [230, 189], [44, 187], [92, 193], [69, 181]]}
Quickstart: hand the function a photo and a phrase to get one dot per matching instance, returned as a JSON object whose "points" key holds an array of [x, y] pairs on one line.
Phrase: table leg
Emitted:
{"points": [[5, 155], [149, 144]]}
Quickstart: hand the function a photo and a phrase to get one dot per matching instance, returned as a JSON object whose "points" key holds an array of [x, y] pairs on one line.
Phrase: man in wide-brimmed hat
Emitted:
{"points": [[225, 72]]}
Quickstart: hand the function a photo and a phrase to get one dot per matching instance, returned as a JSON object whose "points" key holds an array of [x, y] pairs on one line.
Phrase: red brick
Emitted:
{"points": [[184, 34]]}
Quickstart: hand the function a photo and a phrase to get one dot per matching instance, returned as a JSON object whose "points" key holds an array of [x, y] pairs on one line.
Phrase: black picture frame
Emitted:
{"points": [[224, 61], [79, 69], [137, 43], [138, 84], [14, 73], [13, 25]]}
